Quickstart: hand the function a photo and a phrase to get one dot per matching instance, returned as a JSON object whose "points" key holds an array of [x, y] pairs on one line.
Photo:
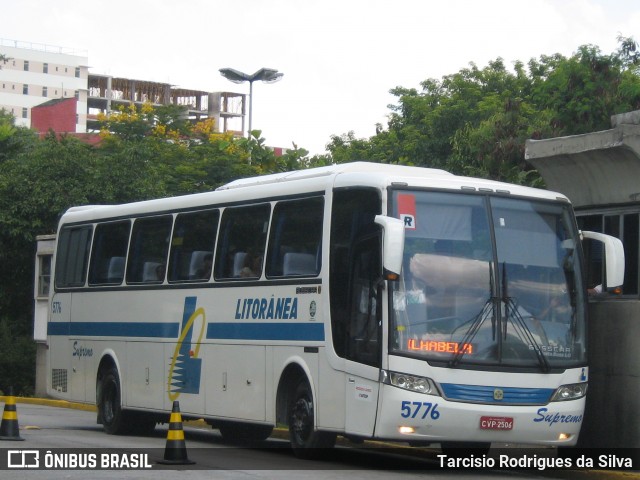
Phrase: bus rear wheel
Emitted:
{"points": [[306, 441], [115, 420], [109, 408]]}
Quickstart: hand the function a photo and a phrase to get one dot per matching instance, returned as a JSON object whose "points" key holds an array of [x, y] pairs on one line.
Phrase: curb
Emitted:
{"points": [[50, 402]]}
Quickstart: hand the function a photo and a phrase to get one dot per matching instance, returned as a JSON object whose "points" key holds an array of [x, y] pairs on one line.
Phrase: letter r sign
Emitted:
{"points": [[409, 221], [407, 210]]}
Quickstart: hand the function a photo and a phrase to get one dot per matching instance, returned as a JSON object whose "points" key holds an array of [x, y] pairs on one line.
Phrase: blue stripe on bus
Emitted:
{"points": [[215, 331], [485, 394], [115, 329], [266, 331]]}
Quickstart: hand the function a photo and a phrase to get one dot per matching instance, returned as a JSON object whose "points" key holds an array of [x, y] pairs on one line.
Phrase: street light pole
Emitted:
{"points": [[250, 107], [267, 75]]}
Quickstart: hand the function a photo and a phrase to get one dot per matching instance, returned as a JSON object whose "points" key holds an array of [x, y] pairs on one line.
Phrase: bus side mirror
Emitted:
{"points": [[392, 245], [614, 256]]}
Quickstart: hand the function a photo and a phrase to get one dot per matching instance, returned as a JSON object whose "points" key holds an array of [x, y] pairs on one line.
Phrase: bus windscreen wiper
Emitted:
{"points": [[476, 323], [473, 329], [520, 326]]}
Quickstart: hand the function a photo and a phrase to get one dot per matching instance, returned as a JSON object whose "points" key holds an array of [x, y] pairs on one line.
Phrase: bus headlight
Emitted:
{"points": [[411, 382], [569, 392]]}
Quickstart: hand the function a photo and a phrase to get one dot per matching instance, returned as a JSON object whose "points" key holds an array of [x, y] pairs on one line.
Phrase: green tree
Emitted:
{"points": [[144, 153], [629, 52], [476, 121], [584, 90], [12, 138], [181, 157], [17, 360], [37, 183]]}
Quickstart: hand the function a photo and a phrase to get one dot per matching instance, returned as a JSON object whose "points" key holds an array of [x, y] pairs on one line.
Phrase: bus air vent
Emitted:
{"points": [[59, 380]]}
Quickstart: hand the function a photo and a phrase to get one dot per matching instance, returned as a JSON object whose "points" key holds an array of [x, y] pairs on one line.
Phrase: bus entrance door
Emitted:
{"points": [[363, 345], [362, 399]]}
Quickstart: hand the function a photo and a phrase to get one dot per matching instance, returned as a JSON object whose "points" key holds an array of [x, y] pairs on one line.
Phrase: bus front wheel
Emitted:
{"points": [[306, 441]]}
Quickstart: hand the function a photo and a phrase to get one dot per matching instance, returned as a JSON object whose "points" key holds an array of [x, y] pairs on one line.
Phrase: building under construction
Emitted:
{"points": [[107, 93], [47, 88]]}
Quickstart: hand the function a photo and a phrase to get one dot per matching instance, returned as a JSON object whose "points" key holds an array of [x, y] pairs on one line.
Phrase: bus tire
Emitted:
{"points": [[306, 441], [109, 407], [244, 433]]}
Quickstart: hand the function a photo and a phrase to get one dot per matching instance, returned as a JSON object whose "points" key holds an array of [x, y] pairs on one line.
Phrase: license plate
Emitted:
{"points": [[496, 423]]}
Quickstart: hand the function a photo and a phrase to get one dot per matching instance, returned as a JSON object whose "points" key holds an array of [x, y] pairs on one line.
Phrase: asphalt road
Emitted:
{"points": [[72, 435]]}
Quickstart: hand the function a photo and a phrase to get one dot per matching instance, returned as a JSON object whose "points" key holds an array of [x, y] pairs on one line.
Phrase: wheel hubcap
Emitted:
{"points": [[109, 406], [302, 419]]}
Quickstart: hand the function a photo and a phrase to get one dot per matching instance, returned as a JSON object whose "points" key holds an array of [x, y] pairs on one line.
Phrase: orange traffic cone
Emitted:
{"points": [[175, 451], [9, 429]]}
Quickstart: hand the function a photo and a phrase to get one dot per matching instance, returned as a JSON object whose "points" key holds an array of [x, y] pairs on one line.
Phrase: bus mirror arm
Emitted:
{"points": [[392, 245], [614, 256]]}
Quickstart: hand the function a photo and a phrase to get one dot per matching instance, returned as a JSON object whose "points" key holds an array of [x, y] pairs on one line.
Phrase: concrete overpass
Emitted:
{"points": [[594, 169], [600, 173]]}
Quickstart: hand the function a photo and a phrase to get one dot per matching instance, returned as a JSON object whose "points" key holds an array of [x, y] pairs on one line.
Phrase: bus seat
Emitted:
{"points": [[115, 272], [299, 264], [150, 272], [238, 263], [196, 266]]}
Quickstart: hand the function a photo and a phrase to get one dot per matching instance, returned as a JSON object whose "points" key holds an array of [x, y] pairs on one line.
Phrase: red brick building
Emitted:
{"points": [[58, 115]]}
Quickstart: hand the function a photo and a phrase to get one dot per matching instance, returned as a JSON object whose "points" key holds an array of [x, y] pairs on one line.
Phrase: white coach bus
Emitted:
{"points": [[366, 300]]}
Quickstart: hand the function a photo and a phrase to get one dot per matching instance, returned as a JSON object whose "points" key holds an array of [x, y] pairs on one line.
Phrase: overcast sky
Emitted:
{"points": [[340, 58]]}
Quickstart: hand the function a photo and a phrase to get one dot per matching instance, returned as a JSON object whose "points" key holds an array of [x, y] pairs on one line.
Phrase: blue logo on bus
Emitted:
{"points": [[186, 365]]}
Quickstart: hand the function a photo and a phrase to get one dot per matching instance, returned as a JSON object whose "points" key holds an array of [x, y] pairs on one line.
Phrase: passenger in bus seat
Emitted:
{"points": [[235, 262], [204, 272], [252, 266]]}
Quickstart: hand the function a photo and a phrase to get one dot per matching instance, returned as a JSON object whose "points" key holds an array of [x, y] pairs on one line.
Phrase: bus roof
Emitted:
{"points": [[364, 174], [356, 167]]}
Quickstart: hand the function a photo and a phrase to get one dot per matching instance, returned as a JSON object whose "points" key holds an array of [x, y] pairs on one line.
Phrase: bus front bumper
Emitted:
{"points": [[414, 417]]}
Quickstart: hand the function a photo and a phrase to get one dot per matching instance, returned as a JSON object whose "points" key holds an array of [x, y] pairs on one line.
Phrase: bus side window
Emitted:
{"points": [[108, 253], [148, 249], [295, 241], [72, 256], [194, 237], [241, 242]]}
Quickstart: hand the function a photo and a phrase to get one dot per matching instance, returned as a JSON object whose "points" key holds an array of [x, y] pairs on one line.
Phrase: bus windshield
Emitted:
{"points": [[488, 281]]}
